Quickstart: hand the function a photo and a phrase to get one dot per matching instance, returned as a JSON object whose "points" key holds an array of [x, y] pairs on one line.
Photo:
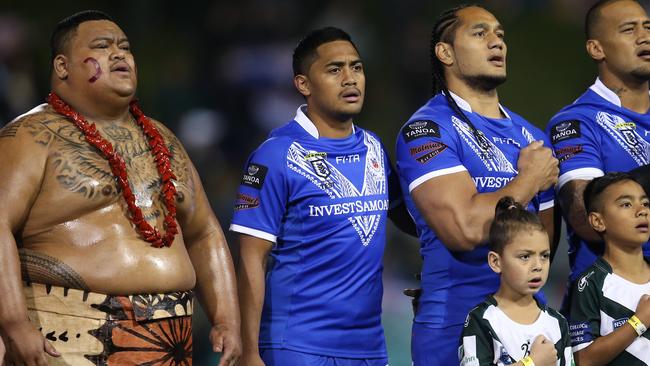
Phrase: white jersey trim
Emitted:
{"points": [[307, 124], [464, 105], [546, 205], [581, 346], [582, 173], [253, 232], [599, 88], [436, 173]]}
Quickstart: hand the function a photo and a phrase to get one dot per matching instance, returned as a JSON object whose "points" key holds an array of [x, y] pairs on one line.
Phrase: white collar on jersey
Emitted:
{"points": [[307, 124], [464, 105], [601, 89]]}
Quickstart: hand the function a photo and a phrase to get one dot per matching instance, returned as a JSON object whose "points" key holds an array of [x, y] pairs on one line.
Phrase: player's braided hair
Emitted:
{"points": [[443, 31], [510, 218]]}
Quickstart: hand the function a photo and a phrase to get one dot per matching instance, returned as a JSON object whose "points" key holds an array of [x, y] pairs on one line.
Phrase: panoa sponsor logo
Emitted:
{"points": [[565, 130], [245, 201], [254, 176], [419, 129], [428, 151]]}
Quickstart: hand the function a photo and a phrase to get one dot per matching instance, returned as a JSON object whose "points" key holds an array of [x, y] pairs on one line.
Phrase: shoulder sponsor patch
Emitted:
{"points": [[421, 128], [580, 332], [428, 151], [254, 175], [565, 130], [566, 153], [245, 201]]}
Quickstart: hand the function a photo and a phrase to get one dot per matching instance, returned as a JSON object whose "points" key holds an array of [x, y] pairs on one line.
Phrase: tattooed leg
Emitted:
{"points": [[41, 268]]}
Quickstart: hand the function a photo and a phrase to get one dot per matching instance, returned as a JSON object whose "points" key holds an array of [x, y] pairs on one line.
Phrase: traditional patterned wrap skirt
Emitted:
{"points": [[88, 328]]}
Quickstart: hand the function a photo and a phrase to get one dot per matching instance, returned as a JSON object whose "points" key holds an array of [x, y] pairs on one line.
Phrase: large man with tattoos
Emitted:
{"points": [[105, 221]]}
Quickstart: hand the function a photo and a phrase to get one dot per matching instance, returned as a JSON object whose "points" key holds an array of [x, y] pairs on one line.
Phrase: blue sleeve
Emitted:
{"points": [[577, 146], [427, 149], [263, 191]]}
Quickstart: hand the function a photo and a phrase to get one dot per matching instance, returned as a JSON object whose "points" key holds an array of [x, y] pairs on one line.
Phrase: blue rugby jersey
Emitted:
{"points": [[435, 142], [323, 203], [593, 136]]}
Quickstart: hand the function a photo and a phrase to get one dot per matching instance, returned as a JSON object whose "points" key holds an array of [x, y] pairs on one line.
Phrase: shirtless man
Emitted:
{"points": [[84, 253]]}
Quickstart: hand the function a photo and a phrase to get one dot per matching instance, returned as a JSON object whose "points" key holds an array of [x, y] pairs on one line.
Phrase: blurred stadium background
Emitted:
{"points": [[218, 73]]}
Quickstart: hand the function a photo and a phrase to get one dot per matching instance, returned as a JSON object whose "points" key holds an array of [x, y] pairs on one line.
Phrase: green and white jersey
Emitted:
{"points": [[490, 337], [602, 301]]}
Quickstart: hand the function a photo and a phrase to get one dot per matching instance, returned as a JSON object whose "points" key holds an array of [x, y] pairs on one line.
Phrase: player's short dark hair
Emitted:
{"points": [[596, 187], [67, 28], [593, 16], [304, 54], [511, 218]]}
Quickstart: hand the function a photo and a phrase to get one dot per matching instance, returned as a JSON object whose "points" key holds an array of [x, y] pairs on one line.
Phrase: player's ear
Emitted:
{"points": [[60, 66], [597, 222], [494, 261], [444, 53], [301, 82], [595, 50]]}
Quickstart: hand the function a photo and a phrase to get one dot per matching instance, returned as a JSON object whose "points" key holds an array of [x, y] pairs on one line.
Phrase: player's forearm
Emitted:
{"points": [[604, 349], [571, 198], [475, 221], [215, 279], [251, 287], [12, 307]]}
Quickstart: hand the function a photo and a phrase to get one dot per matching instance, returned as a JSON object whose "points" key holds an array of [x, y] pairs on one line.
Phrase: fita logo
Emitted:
{"points": [[582, 284], [253, 169]]}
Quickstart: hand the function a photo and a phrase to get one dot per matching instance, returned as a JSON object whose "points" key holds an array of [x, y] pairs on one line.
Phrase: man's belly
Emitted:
{"points": [[116, 266]]}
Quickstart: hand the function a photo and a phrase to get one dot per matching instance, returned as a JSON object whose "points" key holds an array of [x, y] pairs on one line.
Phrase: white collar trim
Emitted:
{"points": [[601, 89], [462, 103], [307, 124]]}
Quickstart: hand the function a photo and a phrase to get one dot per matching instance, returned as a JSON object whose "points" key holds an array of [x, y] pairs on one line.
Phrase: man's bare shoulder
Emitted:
{"points": [[40, 124]]}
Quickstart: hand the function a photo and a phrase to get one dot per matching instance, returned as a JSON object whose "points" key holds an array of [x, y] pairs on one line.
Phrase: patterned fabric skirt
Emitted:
{"points": [[88, 328]]}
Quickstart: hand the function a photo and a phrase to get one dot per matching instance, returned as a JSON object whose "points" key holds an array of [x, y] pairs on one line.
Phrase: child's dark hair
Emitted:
{"points": [[510, 218], [597, 186]]}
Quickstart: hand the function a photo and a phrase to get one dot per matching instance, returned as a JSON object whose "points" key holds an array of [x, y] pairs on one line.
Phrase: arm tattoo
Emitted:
{"points": [[9, 130], [41, 268]]}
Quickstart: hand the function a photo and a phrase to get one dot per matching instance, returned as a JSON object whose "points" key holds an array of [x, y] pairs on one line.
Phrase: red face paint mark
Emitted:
{"points": [[98, 69]]}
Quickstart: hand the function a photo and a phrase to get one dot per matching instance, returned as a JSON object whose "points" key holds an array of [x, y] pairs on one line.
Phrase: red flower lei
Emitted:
{"points": [[161, 156]]}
